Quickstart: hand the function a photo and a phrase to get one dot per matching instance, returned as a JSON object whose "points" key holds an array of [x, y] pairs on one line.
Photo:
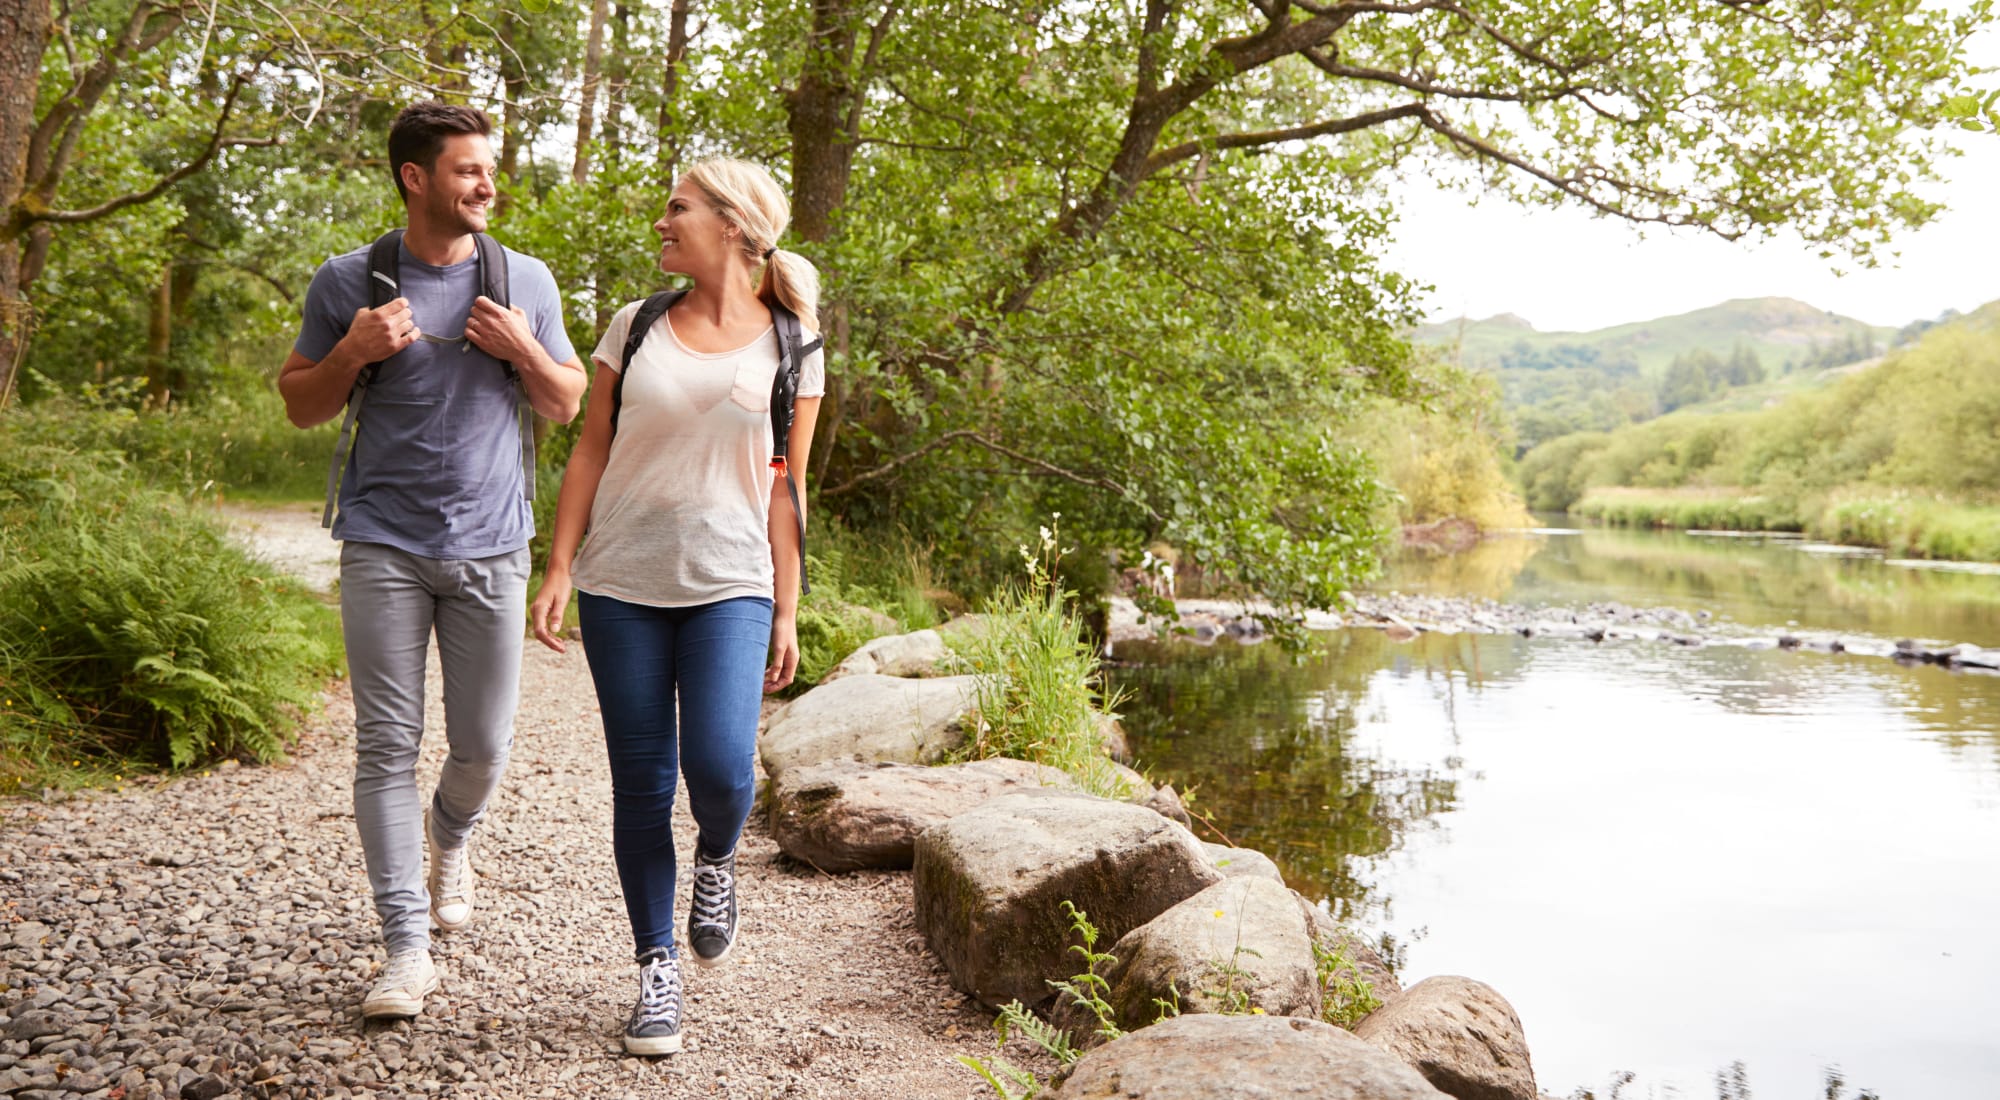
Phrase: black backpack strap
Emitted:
{"points": [[493, 284], [792, 351], [648, 313], [384, 286]]}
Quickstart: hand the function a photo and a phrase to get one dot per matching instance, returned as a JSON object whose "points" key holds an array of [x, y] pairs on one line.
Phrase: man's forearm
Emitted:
{"points": [[555, 390], [315, 393]]}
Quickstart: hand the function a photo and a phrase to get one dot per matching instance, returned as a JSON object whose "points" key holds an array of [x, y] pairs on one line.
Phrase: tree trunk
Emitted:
{"points": [[819, 109], [24, 35], [670, 81], [616, 71], [513, 121], [160, 339], [593, 71]]}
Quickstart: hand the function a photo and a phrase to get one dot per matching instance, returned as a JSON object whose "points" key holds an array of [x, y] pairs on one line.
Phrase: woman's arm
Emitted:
{"points": [[783, 532], [579, 492]]}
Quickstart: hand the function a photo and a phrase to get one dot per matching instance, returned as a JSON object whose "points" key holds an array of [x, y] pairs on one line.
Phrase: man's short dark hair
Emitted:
{"points": [[419, 132]]}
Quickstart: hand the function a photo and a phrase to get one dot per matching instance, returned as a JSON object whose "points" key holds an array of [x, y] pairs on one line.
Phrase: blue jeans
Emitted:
{"points": [[710, 660]]}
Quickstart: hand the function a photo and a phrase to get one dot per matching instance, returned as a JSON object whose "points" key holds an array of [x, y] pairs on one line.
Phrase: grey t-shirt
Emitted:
{"points": [[436, 465]]}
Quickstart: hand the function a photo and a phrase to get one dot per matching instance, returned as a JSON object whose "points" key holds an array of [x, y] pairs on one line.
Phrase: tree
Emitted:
{"points": [[1096, 128]]}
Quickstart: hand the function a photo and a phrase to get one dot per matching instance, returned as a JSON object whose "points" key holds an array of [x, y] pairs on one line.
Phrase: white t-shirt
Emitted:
{"points": [[682, 511]]}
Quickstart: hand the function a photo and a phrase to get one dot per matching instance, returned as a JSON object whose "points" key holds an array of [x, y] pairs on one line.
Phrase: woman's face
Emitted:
{"points": [[693, 237]]}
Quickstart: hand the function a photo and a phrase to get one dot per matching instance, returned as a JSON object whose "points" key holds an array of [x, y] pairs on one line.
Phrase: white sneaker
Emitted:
{"points": [[409, 977], [450, 882]]}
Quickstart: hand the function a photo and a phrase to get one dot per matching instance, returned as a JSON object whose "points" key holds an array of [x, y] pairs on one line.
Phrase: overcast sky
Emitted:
{"points": [[1566, 271]]}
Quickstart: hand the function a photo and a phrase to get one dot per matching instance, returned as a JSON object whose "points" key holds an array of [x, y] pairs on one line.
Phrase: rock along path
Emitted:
{"points": [[211, 936]]}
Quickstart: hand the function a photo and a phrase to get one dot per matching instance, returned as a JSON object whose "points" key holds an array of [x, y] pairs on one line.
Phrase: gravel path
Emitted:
{"points": [[212, 936]]}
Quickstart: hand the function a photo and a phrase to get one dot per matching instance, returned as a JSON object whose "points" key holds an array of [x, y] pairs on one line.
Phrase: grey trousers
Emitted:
{"points": [[390, 601]]}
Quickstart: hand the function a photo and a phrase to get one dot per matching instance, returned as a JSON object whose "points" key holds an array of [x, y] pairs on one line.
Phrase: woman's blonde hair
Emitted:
{"points": [[747, 196]]}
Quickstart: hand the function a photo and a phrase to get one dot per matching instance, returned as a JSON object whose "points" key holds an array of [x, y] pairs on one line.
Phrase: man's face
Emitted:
{"points": [[458, 190]]}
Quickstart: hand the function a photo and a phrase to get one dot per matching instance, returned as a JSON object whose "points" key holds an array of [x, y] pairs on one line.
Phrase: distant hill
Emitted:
{"points": [[1780, 331], [1554, 383]]}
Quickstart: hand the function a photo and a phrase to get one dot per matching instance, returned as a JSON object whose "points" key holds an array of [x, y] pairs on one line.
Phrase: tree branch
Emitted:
{"points": [[1576, 187], [1258, 138], [216, 142], [890, 466], [868, 58]]}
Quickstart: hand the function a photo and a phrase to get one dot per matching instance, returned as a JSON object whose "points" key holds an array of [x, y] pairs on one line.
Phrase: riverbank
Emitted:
{"points": [[1406, 616], [1899, 524]]}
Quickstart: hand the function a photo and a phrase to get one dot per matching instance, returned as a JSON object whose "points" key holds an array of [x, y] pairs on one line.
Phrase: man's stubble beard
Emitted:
{"points": [[446, 215]]}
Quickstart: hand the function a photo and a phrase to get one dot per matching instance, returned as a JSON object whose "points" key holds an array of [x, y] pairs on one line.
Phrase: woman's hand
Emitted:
{"points": [[784, 654], [545, 615]]}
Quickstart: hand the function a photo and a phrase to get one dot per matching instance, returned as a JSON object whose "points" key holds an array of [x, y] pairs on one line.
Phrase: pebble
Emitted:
{"points": [[210, 936], [1404, 617]]}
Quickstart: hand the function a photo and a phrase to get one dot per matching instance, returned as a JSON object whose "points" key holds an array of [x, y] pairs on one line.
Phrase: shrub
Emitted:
{"points": [[1038, 677], [862, 588], [228, 445], [130, 627]]}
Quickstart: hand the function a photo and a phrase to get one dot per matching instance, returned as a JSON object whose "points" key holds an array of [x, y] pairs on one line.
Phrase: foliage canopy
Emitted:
{"points": [[1114, 260]]}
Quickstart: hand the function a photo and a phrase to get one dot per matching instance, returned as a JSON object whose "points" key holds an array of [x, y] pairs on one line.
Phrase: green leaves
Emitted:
{"points": [[129, 625]]}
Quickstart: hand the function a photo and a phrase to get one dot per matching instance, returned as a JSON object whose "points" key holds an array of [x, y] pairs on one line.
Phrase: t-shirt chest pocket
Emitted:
{"points": [[752, 387]]}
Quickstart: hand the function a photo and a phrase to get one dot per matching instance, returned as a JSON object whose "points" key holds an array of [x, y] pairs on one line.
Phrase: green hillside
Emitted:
{"points": [[1782, 332], [1903, 454], [1741, 353]]}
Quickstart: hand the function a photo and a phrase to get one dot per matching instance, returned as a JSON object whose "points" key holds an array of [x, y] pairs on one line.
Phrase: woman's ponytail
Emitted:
{"points": [[746, 195]]}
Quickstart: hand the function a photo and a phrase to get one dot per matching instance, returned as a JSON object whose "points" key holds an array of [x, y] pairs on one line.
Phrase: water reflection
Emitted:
{"points": [[1262, 739], [1754, 581], [1668, 858]]}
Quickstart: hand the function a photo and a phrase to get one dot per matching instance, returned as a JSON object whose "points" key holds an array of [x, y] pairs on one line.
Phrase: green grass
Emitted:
{"points": [[1908, 525], [228, 447], [1696, 509], [1039, 679], [134, 634]]}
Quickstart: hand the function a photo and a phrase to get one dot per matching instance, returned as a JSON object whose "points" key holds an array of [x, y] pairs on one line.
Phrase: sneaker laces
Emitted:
{"points": [[713, 885], [659, 991], [402, 971], [451, 874]]}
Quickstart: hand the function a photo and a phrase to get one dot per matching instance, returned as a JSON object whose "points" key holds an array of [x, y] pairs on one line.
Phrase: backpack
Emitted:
{"points": [[384, 286], [793, 348]]}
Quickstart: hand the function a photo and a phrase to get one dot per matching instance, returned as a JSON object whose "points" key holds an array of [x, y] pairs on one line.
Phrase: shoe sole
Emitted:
{"points": [[662, 1044], [396, 1008], [719, 959]]}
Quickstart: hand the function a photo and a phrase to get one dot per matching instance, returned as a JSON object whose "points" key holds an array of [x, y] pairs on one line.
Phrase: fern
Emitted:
{"points": [[130, 627]]}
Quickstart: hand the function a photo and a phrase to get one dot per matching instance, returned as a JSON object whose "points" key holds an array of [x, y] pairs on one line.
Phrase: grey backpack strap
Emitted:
{"points": [[384, 286]]}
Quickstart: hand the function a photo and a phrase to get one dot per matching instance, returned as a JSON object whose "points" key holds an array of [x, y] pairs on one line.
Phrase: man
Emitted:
{"points": [[434, 515]]}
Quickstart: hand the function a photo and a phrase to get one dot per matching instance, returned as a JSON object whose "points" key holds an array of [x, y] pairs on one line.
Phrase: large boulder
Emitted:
{"points": [[1241, 1058], [991, 881], [1462, 1035], [844, 815], [921, 653], [1233, 862], [1239, 945], [870, 717]]}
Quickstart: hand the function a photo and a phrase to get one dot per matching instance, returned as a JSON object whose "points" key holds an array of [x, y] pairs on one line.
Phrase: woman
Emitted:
{"points": [[691, 573]]}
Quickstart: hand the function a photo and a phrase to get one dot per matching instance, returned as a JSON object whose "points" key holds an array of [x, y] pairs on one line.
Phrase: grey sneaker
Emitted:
{"points": [[712, 914], [655, 1024], [405, 981], [450, 882]]}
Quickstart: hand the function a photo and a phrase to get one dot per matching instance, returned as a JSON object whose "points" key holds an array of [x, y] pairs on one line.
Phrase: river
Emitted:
{"points": [[1694, 871]]}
